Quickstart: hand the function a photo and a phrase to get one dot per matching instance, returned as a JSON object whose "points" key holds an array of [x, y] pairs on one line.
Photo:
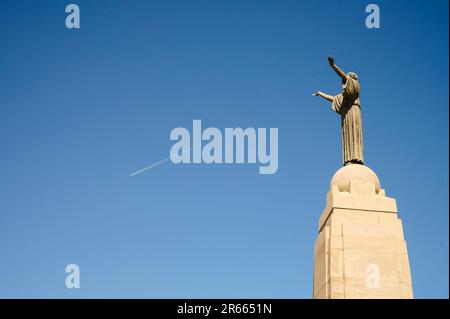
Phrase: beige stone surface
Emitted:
{"points": [[360, 251], [353, 173]]}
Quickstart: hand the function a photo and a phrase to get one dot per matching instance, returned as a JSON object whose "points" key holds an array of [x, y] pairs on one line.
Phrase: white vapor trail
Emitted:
{"points": [[150, 166]]}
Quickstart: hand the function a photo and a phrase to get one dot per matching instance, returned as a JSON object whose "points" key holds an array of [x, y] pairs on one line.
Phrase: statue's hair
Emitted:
{"points": [[353, 75]]}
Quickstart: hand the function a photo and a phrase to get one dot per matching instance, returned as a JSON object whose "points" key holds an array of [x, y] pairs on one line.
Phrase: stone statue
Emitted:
{"points": [[348, 106]]}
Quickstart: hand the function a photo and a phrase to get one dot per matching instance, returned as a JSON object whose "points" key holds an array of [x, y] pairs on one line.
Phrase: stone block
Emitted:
{"points": [[393, 230], [359, 264], [336, 263], [359, 289], [360, 251]]}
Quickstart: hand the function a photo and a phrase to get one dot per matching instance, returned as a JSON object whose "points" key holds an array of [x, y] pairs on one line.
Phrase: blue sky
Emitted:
{"points": [[82, 109]]}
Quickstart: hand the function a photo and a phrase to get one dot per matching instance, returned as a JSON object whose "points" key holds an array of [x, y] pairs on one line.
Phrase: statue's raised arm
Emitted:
{"points": [[336, 68]]}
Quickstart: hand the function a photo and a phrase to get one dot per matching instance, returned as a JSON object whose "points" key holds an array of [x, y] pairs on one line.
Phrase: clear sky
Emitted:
{"points": [[82, 109]]}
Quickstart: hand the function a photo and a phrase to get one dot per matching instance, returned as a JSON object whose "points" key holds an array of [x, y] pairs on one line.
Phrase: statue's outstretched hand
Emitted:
{"points": [[317, 93], [330, 60]]}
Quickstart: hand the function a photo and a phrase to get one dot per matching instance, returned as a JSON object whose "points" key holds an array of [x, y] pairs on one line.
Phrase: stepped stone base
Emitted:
{"points": [[360, 251]]}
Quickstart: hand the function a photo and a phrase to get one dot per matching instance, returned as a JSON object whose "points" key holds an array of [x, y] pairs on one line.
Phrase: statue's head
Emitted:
{"points": [[353, 75]]}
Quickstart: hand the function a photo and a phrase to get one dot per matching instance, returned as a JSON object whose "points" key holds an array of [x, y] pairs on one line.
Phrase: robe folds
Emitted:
{"points": [[347, 105]]}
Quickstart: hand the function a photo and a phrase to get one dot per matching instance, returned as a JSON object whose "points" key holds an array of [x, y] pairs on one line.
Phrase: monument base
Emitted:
{"points": [[360, 251]]}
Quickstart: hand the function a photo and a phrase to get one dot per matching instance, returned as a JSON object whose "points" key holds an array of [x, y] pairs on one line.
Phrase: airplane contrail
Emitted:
{"points": [[150, 166]]}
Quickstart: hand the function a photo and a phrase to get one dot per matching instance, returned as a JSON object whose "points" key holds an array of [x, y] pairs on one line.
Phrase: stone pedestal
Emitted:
{"points": [[360, 251]]}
